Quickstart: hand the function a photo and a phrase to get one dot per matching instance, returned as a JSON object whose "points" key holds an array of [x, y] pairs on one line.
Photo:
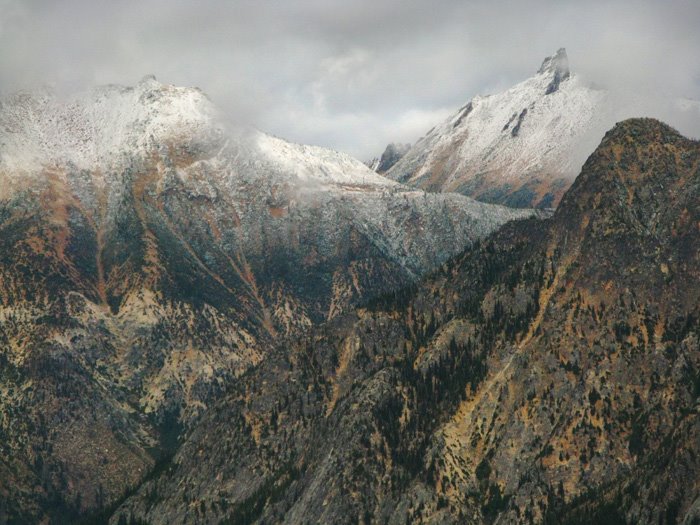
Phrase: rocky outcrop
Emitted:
{"points": [[392, 154], [558, 66]]}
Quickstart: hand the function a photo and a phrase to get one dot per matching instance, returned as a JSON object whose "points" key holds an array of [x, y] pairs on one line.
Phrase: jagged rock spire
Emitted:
{"points": [[392, 154], [558, 62], [558, 66]]}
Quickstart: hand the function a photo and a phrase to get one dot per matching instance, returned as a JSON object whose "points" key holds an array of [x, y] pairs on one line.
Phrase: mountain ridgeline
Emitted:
{"points": [[200, 325], [524, 146], [551, 374], [149, 257]]}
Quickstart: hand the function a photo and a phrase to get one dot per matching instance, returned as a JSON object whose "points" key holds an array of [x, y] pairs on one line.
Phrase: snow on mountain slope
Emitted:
{"points": [[149, 253], [524, 146], [114, 143], [315, 164], [520, 147], [96, 128]]}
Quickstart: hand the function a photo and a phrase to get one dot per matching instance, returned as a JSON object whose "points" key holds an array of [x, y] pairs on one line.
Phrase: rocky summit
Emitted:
{"points": [[392, 154], [150, 258], [522, 147], [551, 374]]}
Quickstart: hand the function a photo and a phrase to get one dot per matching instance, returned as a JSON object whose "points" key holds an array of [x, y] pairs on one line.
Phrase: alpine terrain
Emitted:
{"points": [[551, 374], [392, 154], [149, 258], [522, 147]]}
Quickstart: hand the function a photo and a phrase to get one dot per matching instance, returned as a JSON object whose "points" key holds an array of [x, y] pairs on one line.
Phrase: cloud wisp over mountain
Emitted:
{"points": [[351, 76]]}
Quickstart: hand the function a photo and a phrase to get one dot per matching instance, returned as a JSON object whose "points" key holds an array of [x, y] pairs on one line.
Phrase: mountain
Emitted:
{"points": [[551, 374], [149, 257], [522, 147], [392, 154]]}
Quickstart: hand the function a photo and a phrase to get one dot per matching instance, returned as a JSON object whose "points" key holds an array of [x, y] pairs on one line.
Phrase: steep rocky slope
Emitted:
{"points": [[392, 154], [551, 374], [148, 257], [524, 146]]}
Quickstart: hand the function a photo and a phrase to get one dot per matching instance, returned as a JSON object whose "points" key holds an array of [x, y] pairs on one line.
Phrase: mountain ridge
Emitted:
{"points": [[549, 375], [523, 146], [149, 258], [516, 147]]}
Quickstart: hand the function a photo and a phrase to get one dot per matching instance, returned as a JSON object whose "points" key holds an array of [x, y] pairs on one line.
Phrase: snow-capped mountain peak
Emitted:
{"points": [[114, 141], [519, 147], [96, 127], [524, 146], [557, 66], [556, 63]]}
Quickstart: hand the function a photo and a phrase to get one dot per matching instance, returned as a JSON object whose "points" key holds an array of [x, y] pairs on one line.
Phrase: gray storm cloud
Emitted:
{"points": [[352, 75]]}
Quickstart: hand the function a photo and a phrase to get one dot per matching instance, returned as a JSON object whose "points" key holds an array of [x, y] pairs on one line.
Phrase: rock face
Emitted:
{"points": [[551, 374], [558, 66], [522, 147], [392, 154], [148, 258]]}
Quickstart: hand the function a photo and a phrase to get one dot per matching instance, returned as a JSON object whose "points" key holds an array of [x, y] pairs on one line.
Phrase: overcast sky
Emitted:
{"points": [[348, 74]]}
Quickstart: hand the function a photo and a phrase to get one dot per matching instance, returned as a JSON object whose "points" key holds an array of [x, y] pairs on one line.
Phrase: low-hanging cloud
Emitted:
{"points": [[350, 75]]}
